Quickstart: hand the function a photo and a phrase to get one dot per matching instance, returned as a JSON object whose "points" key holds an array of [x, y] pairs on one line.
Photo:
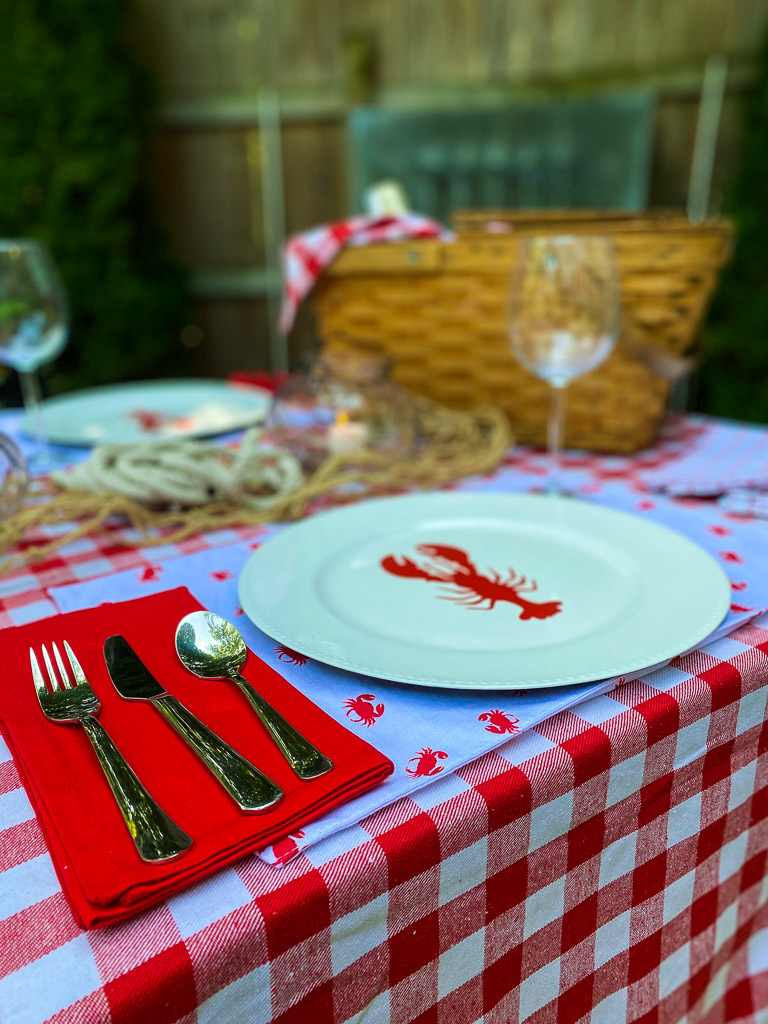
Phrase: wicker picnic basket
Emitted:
{"points": [[439, 309]]}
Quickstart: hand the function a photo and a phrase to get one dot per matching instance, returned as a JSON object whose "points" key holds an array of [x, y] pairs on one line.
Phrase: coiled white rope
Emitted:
{"points": [[184, 474]]}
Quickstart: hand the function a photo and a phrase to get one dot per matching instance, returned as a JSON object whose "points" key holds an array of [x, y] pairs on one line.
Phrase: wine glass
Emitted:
{"points": [[34, 320], [564, 316], [14, 479]]}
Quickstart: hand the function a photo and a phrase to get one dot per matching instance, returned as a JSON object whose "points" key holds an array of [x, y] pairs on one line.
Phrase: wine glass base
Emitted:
{"points": [[42, 457], [41, 464], [555, 492]]}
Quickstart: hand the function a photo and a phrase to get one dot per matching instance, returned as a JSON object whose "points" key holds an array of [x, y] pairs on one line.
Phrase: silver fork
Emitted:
{"points": [[157, 838]]}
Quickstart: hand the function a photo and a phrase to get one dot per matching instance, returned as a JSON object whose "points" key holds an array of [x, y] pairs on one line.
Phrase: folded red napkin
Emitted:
{"points": [[102, 876]]}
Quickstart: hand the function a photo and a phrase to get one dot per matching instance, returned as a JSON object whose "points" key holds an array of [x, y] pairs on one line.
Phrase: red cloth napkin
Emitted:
{"points": [[102, 876]]}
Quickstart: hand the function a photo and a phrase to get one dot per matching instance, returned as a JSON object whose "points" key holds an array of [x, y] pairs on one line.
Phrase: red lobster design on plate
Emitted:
{"points": [[426, 763], [454, 568], [363, 707], [499, 721], [151, 422], [148, 421]]}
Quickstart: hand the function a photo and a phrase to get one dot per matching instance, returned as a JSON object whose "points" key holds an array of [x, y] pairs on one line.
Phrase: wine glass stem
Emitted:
{"points": [[555, 436], [30, 391]]}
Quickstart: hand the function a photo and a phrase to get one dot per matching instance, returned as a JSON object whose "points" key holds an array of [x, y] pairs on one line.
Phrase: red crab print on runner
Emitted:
{"points": [[731, 556], [221, 574], [287, 848], [499, 721], [426, 763], [364, 708], [466, 585], [150, 574], [289, 656], [739, 585], [720, 531], [619, 682]]}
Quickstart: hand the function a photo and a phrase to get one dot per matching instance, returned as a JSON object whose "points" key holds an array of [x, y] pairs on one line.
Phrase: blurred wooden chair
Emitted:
{"points": [[587, 152]]}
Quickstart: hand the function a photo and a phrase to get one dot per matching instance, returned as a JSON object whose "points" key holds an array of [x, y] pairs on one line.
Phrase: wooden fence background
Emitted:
{"points": [[215, 58]]}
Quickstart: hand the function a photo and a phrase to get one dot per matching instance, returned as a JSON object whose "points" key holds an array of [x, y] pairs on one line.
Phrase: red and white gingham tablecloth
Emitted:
{"points": [[607, 866]]}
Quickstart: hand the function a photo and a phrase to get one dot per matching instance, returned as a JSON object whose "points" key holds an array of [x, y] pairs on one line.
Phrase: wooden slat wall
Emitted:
{"points": [[212, 56]]}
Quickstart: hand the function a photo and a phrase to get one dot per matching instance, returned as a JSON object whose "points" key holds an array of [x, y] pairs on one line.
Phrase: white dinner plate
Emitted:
{"points": [[438, 590], [150, 411]]}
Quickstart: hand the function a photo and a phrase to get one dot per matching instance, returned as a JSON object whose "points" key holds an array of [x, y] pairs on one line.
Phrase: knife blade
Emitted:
{"points": [[131, 677], [248, 786]]}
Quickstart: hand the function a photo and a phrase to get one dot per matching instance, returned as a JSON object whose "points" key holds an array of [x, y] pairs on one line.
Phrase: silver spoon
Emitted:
{"points": [[212, 648]]}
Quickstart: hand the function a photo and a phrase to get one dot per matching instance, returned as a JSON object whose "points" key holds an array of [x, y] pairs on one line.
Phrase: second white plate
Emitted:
{"points": [[484, 591], [150, 411]]}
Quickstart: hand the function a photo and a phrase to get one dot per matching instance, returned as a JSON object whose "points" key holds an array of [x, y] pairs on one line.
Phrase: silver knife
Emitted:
{"points": [[249, 787]]}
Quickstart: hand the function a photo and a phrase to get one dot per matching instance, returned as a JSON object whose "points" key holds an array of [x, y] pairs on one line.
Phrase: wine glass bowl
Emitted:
{"points": [[33, 317], [13, 477], [564, 313]]}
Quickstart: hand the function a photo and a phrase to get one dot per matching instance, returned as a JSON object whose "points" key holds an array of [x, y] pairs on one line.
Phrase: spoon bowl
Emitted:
{"points": [[209, 646], [212, 648]]}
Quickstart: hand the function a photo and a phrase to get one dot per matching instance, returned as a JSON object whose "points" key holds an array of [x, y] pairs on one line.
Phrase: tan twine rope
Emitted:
{"points": [[452, 445]]}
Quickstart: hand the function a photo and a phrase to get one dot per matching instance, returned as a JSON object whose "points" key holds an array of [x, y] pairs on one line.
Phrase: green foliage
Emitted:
{"points": [[734, 376], [75, 113]]}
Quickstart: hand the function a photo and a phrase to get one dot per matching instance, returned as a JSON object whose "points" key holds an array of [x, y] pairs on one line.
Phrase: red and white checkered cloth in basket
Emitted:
{"points": [[305, 256], [607, 866]]}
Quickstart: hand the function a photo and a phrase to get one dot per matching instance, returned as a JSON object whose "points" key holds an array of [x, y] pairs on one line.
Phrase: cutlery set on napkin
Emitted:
{"points": [[241, 767]]}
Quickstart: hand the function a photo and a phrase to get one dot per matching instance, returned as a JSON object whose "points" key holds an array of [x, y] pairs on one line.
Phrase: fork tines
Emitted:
{"points": [[62, 681]]}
